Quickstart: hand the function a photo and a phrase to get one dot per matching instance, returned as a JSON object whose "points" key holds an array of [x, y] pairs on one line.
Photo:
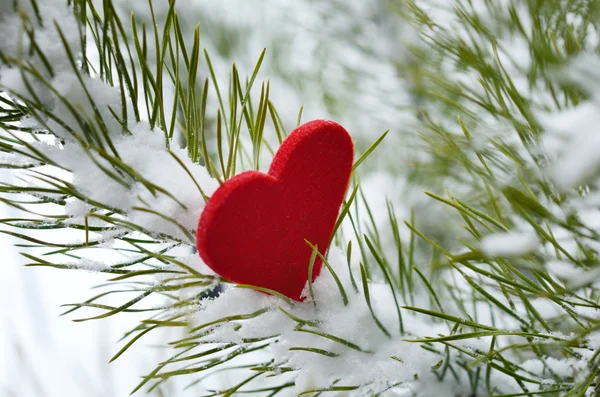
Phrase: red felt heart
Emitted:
{"points": [[253, 228]]}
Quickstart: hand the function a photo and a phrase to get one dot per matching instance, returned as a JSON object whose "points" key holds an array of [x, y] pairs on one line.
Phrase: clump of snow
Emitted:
{"points": [[373, 367], [573, 139], [145, 152], [14, 160], [197, 264], [140, 148], [15, 43], [564, 368], [566, 270], [576, 138], [584, 278], [105, 98], [509, 244], [89, 264]]}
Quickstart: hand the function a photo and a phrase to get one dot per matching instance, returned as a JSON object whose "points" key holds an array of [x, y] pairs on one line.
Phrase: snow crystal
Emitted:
{"points": [[89, 264], [509, 244]]}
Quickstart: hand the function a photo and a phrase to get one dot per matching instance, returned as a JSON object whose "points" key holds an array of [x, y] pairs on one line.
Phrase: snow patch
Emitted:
{"points": [[509, 244]]}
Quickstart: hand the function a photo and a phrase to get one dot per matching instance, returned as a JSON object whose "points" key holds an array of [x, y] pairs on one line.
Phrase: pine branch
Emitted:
{"points": [[96, 142]]}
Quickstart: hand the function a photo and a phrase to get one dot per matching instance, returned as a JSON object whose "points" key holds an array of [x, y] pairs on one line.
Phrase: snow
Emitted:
{"points": [[56, 357], [144, 150], [15, 43], [565, 270], [372, 367], [89, 264], [583, 278], [577, 142], [509, 244], [338, 59], [104, 98], [573, 139], [565, 368], [43, 354]]}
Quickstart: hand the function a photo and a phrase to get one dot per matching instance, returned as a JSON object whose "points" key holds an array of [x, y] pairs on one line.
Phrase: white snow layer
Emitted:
{"points": [[509, 243], [573, 140], [373, 367], [143, 150]]}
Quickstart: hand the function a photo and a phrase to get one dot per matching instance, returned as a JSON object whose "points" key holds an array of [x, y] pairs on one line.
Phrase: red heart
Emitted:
{"points": [[253, 228]]}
